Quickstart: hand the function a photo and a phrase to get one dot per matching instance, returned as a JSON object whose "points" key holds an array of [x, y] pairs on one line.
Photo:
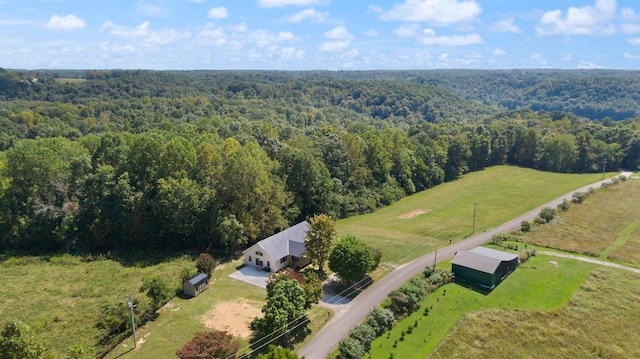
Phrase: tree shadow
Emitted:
{"points": [[297, 333]]}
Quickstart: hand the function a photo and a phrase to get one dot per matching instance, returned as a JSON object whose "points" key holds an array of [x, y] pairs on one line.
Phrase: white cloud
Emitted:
{"points": [[16, 23], [430, 39], [631, 56], [166, 36], [141, 30], [443, 56], [630, 28], [218, 12], [334, 45], [290, 53], [408, 30], [587, 20], [634, 41], [628, 14], [338, 33], [197, 1], [537, 59], [567, 57], [308, 14], [154, 11], [588, 65], [434, 12], [372, 33], [499, 52], [283, 3], [506, 26], [69, 22]]}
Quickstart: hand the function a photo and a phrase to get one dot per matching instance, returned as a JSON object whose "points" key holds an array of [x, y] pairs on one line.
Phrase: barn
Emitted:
{"points": [[196, 285], [483, 267]]}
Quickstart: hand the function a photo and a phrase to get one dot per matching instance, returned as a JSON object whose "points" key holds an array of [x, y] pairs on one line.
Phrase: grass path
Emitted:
{"points": [[590, 260], [622, 239]]}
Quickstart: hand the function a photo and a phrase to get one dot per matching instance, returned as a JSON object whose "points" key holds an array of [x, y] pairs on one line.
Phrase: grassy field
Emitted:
{"points": [[227, 305], [428, 220], [60, 296], [599, 321], [542, 284], [606, 225]]}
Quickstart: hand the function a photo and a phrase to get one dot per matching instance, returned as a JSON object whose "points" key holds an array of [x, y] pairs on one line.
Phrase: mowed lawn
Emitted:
{"points": [[418, 224], [599, 321], [227, 305], [542, 284], [606, 225]]}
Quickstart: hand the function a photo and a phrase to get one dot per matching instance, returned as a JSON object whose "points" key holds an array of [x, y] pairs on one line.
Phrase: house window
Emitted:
{"points": [[283, 259], [249, 258], [268, 264], [258, 253]]}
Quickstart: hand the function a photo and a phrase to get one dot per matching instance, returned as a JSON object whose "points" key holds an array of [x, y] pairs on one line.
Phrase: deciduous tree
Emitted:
{"points": [[214, 344], [351, 258], [319, 239]]}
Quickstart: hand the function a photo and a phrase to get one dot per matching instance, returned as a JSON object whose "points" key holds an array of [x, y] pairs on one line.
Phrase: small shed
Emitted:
{"points": [[482, 266], [196, 285]]}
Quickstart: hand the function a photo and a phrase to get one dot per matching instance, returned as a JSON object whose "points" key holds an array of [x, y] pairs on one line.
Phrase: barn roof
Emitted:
{"points": [[198, 279], [482, 259], [476, 261], [288, 242], [488, 252]]}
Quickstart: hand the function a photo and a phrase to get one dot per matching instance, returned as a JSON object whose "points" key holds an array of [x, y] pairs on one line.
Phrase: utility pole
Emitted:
{"points": [[435, 259], [604, 165], [473, 229], [133, 321]]}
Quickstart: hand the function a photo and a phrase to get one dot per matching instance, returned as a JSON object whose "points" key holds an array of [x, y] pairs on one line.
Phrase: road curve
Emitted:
{"points": [[349, 315]]}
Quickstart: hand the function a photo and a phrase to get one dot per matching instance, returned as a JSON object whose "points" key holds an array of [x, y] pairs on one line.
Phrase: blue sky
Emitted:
{"points": [[319, 34]]}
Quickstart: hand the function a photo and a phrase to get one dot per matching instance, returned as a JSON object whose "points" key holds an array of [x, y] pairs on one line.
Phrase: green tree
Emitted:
{"points": [[284, 307], [206, 263], [231, 234], [351, 258], [312, 288], [558, 154], [157, 290], [17, 341], [278, 352], [350, 348], [319, 239], [214, 344], [79, 351]]}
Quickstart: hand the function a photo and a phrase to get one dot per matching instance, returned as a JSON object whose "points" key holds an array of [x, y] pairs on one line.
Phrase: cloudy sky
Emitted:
{"points": [[319, 34]]}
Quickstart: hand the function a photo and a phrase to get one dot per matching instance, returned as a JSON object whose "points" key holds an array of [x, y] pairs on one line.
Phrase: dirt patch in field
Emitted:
{"points": [[411, 214], [232, 317]]}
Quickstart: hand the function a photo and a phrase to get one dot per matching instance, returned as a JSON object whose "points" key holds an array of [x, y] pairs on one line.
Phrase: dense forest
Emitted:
{"points": [[213, 160]]}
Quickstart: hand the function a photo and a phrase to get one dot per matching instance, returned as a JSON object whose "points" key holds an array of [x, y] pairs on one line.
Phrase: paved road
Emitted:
{"points": [[351, 314]]}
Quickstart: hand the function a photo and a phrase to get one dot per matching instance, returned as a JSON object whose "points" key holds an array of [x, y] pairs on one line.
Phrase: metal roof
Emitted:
{"points": [[198, 279], [482, 259], [288, 242], [493, 253], [476, 261]]}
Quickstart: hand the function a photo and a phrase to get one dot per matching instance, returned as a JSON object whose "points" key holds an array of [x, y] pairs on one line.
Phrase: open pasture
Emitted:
{"points": [[427, 220], [606, 225], [542, 284]]}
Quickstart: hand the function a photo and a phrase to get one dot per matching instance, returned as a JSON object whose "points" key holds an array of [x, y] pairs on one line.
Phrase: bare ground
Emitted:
{"points": [[232, 317], [412, 214]]}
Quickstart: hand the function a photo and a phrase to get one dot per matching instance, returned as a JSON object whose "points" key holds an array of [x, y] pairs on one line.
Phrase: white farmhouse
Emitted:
{"points": [[281, 250]]}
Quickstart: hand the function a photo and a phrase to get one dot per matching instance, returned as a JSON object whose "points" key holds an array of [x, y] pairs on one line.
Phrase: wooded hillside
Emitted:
{"points": [[99, 160]]}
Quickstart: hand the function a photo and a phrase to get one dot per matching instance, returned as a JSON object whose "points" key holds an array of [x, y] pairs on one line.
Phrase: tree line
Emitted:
{"points": [[133, 162]]}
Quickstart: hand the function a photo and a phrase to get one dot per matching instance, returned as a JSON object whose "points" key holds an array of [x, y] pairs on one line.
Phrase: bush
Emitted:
{"points": [[525, 226], [380, 320], [215, 344], [350, 348], [547, 214], [564, 206], [365, 334], [406, 299], [206, 263], [579, 197], [622, 178]]}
